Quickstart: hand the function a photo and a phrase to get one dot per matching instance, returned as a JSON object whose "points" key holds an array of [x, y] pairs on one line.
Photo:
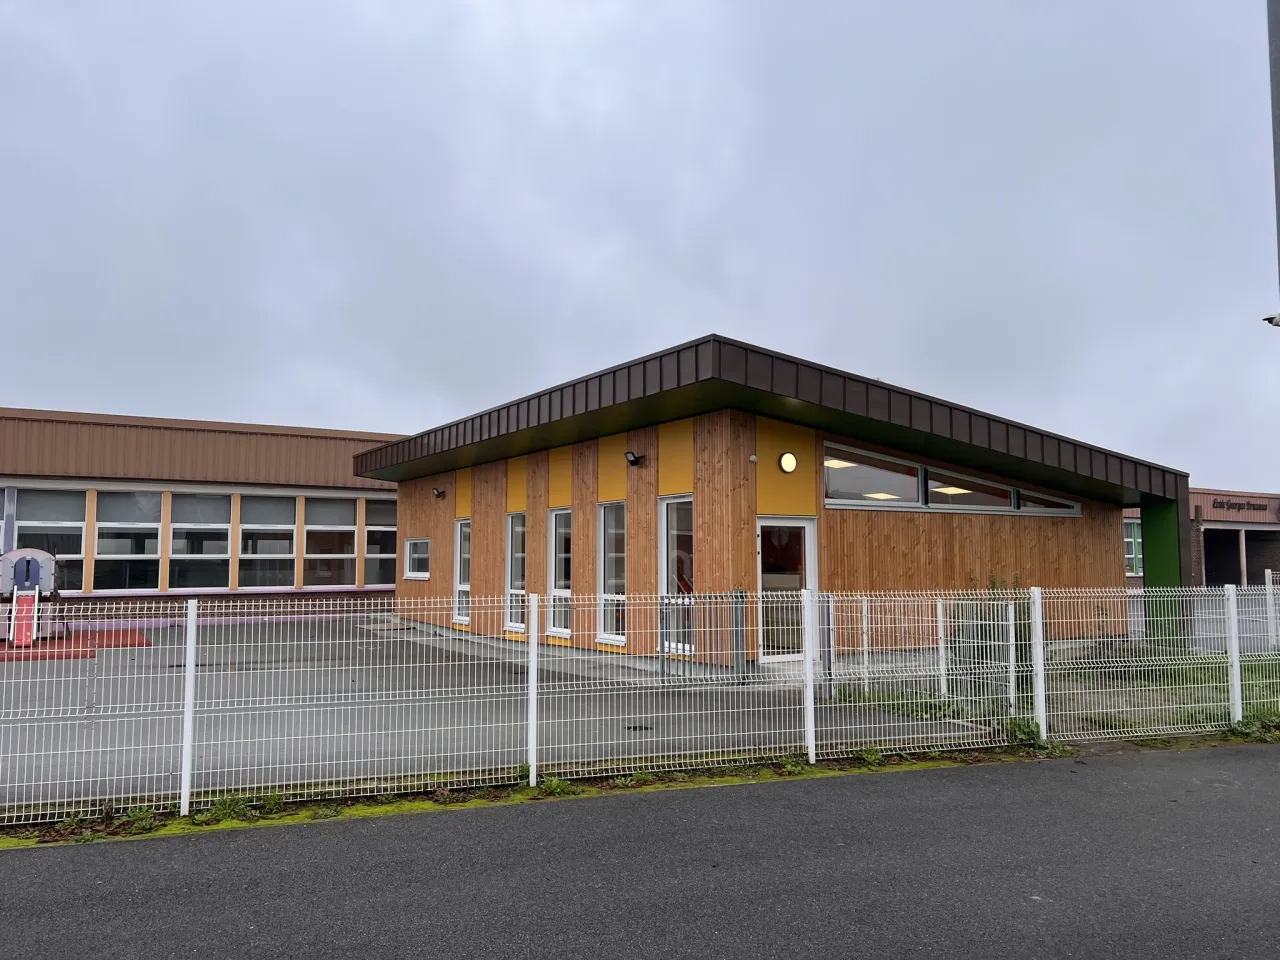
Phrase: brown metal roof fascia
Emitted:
{"points": [[715, 358], [89, 447], [111, 419]]}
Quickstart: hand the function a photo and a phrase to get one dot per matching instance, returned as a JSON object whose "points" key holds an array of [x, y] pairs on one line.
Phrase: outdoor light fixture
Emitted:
{"points": [[634, 459], [439, 494], [787, 462]]}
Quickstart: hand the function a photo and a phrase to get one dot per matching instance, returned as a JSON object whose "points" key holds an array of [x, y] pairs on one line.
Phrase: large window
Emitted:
{"points": [[1133, 548], [417, 559], [267, 529], [53, 521], [329, 543], [380, 542], [677, 552], [613, 572], [852, 478], [516, 567], [561, 567], [946, 490], [200, 541], [127, 551], [462, 571], [857, 477]]}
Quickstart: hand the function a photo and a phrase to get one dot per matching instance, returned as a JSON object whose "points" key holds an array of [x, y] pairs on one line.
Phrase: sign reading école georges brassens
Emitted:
{"points": [[1248, 505]]}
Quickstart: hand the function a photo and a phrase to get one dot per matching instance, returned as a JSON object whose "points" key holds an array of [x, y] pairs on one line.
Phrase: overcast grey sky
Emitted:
{"points": [[385, 215]]}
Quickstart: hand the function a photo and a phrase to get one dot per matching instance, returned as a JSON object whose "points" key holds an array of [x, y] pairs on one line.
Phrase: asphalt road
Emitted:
{"points": [[1137, 855]]}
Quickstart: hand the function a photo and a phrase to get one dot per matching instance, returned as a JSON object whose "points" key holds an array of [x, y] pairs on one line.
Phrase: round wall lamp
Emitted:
{"points": [[787, 462]]}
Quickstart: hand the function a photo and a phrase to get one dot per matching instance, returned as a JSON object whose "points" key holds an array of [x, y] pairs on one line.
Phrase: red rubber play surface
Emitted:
{"points": [[75, 645]]}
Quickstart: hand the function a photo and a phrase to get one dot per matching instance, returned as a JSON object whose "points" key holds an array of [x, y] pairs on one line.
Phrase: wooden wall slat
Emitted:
{"points": [[584, 542], [538, 492], [642, 542], [488, 547], [724, 502]]}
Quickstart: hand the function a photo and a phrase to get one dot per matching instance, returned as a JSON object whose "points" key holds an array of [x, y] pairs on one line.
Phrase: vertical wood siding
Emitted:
{"points": [[642, 541]]}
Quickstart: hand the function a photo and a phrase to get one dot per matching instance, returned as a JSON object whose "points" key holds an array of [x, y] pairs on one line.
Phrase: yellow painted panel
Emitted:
{"points": [[166, 523], [611, 468], [560, 477], [517, 484], [90, 536], [462, 493], [361, 545], [515, 636], [235, 541], [786, 494], [675, 458]]}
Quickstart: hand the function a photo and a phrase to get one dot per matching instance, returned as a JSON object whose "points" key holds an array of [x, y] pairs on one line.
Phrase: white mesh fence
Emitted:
{"points": [[173, 705]]}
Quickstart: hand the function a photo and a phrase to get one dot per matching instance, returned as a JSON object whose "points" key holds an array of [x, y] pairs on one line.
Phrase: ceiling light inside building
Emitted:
{"points": [[881, 496], [951, 491], [835, 463]]}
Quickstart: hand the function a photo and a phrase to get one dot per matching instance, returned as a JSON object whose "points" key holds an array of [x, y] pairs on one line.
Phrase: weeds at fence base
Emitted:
{"points": [[1259, 727]]}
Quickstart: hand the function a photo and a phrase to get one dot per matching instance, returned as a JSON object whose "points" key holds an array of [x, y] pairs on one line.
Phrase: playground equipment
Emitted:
{"points": [[26, 577]]}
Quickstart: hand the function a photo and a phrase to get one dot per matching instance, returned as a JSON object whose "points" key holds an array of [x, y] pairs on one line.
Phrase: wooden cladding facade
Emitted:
{"points": [[711, 458]]}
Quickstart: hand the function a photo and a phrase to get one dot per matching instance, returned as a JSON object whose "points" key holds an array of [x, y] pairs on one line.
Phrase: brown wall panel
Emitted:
{"points": [[724, 502], [536, 547], [642, 542], [584, 542], [91, 446], [488, 547]]}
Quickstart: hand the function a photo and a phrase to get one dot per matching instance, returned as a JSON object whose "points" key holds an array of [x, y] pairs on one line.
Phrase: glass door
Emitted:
{"points": [[675, 566], [785, 548]]}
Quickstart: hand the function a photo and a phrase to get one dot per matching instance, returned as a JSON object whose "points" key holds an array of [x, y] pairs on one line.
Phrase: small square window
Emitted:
{"points": [[417, 559]]}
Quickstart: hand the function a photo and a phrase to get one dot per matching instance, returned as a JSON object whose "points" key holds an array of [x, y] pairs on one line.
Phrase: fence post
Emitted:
{"points": [[188, 709], [809, 634], [866, 644], [533, 689], [1013, 660], [740, 633], [942, 650], [1273, 629], [828, 646], [1233, 653], [1037, 661]]}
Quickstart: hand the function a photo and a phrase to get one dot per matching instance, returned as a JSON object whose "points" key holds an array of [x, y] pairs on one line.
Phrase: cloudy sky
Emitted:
{"points": [[384, 215]]}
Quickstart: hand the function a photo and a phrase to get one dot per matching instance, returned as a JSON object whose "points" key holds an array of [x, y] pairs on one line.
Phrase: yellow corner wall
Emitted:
{"points": [[611, 468], [675, 458], [786, 494], [517, 484], [560, 477], [462, 493]]}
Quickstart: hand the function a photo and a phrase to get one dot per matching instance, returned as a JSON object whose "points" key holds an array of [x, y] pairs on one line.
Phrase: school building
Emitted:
{"points": [[717, 466]]}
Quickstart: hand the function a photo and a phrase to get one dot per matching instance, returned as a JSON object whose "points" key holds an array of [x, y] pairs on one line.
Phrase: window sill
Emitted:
{"points": [[611, 641], [560, 634], [513, 628], [416, 576]]}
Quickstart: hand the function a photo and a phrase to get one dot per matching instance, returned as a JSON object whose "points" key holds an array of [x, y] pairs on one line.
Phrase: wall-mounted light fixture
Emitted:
{"points": [[634, 459], [439, 494], [787, 463]]}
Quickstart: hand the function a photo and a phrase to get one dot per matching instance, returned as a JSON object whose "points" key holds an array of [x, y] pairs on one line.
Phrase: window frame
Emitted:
{"points": [[510, 592], [352, 528], [663, 545], [1133, 547], [409, 574], [68, 525], [292, 556], [197, 558], [619, 640], [1071, 508], [459, 587], [128, 526], [366, 556], [561, 597]]}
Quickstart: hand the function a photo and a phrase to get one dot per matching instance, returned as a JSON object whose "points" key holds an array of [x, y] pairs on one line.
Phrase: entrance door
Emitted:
{"points": [[787, 564]]}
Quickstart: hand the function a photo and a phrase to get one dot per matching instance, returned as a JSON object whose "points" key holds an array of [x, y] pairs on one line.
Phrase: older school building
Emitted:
{"points": [[717, 466]]}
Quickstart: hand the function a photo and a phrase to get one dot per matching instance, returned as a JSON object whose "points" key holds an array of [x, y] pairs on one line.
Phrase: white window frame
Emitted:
{"points": [[330, 528], [175, 526], [1012, 491], [921, 496], [561, 597], [619, 640], [69, 525], [1133, 546], [156, 525], [1072, 508], [671, 633], [291, 556], [510, 593], [381, 528], [459, 587], [409, 574]]}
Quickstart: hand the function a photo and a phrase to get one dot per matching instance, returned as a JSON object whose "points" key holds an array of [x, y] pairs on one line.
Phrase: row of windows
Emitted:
{"points": [[676, 544], [854, 478], [128, 532]]}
